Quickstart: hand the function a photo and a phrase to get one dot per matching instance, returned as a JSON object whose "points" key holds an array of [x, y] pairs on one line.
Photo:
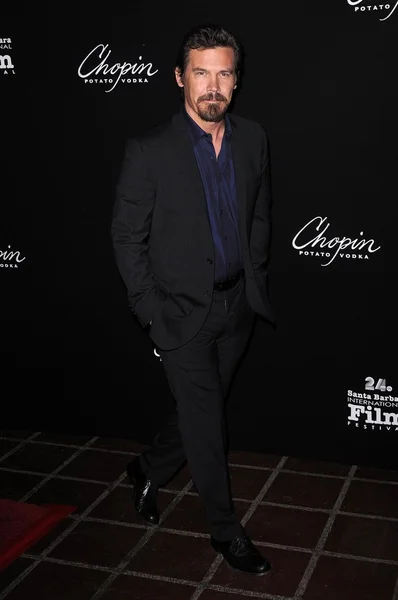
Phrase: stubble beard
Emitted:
{"points": [[212, 112]]}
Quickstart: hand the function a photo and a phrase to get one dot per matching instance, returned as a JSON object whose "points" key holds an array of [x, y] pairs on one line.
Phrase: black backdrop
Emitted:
{"points": [[321, 78]]}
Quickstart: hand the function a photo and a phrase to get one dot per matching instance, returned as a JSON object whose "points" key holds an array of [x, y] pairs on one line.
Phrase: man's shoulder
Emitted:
{"points": [[153, 134], [243, 124]]}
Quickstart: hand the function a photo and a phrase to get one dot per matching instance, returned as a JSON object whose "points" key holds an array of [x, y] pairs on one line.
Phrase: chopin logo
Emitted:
{"points": [[360, 7], [6, 64], [312, 241], [371, 409], [10, 258], [96, 69]]}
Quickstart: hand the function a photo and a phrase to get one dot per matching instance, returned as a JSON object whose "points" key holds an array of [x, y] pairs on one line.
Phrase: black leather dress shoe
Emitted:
{"points": [[241, 555], [144, 496]]}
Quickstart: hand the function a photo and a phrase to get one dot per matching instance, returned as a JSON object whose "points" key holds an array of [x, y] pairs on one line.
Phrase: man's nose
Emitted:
{"points": [[213, 84]]}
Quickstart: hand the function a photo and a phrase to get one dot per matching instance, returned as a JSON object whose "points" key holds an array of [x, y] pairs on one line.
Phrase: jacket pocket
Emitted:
{"points": [[185, 309], [167, 295]]}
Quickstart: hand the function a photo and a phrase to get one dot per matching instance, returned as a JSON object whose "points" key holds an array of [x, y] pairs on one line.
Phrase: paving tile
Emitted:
{"points": [[286, 526], [15, 485], [358, 536], [218, 595], [287, 569], [19, 434], [98, 543], [315, 466], [372, 499], [7, 446], [96, 465], [247, 483], [13, 571], [43, 543], [120, 444], [38, 458], [171, 555], [345, 579], [377, 474], [118, 506], [66, 491], [255, 459], [49, 581], [180, 480], [304, 490], [188, 515], [130, 587], [71, 439]]}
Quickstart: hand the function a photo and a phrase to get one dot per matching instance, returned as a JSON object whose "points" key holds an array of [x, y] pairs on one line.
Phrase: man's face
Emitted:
{"points": [[208, 81]]}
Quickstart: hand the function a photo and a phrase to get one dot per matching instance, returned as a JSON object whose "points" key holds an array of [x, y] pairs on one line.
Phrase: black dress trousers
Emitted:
{"points": [[199, 374]]}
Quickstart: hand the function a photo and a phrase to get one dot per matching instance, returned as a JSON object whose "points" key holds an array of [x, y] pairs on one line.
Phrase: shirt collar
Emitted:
{"points": [[196, 132]]}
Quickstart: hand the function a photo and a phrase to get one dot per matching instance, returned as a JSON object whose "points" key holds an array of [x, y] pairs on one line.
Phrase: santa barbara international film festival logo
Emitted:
{"points": [[6, 64], [314, 240], [384, 11], [10, 259], [374, 407], [97, 68]]}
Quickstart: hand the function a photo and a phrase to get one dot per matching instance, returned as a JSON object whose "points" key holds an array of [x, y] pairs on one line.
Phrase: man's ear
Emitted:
{"points": [[178, 76]]}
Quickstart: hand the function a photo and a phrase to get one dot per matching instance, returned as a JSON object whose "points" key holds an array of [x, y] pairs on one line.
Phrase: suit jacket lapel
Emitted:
{"points": [[239, 159], [187, 165]]}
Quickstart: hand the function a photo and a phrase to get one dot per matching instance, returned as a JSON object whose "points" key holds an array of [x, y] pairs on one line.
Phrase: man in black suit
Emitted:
{"points": [[191, 232]]}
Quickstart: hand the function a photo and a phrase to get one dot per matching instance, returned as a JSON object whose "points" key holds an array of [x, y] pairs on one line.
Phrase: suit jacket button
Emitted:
{"points": [[207, 294], [209, 261]]}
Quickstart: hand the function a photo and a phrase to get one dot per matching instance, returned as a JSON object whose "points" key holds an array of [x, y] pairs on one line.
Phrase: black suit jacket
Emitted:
{"points": [[161, 230]]}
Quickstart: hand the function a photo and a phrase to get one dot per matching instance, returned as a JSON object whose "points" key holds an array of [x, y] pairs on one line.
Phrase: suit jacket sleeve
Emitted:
{"points": [[131, 225], [261, 227]]}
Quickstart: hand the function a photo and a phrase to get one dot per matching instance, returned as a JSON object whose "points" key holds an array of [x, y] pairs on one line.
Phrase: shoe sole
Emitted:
{"points": [[238, 570], [248, 572]]}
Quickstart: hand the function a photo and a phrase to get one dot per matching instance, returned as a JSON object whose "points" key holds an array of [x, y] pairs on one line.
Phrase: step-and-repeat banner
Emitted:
{"points": [[320, 77]]}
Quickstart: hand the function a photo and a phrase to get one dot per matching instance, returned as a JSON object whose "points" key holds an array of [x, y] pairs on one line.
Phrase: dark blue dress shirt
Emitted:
{"points": [[218, 177]]}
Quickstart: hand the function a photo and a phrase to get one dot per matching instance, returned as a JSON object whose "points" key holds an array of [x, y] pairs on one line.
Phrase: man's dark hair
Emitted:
{"points": [[208, 36]]}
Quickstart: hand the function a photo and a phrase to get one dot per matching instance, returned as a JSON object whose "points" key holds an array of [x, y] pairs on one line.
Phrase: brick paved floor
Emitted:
{"points": [[329, 530]]}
